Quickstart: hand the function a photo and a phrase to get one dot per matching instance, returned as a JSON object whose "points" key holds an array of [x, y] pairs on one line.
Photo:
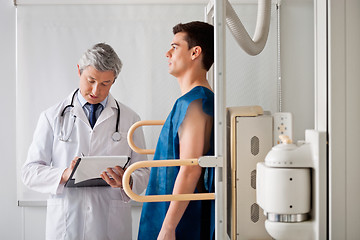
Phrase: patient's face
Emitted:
{"points": [[179, 55]]}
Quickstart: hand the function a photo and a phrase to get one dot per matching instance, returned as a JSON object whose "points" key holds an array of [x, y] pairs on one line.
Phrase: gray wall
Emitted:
{"points": [[344, 112], [352, 72]]}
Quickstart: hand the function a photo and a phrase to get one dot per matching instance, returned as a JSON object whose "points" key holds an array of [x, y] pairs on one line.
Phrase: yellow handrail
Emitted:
{"points": [[132, 130], [162, 198]]}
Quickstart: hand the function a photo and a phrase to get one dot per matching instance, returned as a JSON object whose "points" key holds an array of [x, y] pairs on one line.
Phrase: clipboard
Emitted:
{"points": [[87, 170]]}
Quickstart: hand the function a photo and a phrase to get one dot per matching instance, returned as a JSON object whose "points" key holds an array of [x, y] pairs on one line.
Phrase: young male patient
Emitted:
{"points": [[187, 133]]}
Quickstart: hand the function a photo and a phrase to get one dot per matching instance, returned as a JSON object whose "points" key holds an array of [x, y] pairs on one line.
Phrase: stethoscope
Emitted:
{"points": [[116, 136]]}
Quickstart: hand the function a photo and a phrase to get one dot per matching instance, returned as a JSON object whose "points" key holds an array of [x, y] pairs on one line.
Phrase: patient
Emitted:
{"points": [[187, 133]]}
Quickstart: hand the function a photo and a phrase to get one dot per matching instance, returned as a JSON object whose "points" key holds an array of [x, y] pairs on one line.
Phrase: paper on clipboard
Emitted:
{"points": [[91, 167]]}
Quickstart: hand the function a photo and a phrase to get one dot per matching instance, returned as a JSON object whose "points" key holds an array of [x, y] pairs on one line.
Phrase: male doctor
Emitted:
{"points": [[74, 127]]}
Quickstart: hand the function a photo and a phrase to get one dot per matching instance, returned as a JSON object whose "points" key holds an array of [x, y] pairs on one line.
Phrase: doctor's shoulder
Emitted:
{"points": [[52, 113], [128, 113]]}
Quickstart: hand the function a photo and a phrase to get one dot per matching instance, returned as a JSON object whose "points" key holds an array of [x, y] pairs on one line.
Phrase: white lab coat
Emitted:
{"points": [[83, 213]]}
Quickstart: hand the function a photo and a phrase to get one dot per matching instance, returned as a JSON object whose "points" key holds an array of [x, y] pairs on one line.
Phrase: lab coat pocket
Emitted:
{"points": [[119, 220], [55, 219]]}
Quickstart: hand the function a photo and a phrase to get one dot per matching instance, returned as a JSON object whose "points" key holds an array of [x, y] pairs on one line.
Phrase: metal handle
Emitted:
{"points": [[162, 198], [132, 130]]}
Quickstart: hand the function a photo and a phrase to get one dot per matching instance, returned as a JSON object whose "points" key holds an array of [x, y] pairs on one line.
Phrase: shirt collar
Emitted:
{"points": [[83, 101]]}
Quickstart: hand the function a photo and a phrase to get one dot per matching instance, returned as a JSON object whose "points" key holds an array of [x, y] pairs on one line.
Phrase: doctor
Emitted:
{"points": [[64, 132]]}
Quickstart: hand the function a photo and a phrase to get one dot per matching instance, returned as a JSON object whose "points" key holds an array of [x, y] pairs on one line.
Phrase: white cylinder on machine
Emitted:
{"points": [[284, 191]]}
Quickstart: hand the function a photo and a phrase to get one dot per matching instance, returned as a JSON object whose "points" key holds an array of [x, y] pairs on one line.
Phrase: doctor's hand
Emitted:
{"points": [[113, 176], [66, 174]]}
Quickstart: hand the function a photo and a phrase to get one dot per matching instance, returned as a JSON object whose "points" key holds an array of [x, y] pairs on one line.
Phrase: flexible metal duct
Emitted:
{"points": [[256, 45]]}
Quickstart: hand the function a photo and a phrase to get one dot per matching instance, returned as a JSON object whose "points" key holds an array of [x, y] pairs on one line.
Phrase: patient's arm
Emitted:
{"points": [[194, 137]]}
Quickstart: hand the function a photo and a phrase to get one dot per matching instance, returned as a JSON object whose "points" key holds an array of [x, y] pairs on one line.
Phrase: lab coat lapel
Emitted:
{"points": [[78, 111], [108, 111]]}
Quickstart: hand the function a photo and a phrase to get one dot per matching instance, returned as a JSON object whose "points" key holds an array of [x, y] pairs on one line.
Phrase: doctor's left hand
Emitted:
{"points": [[113, 176]]}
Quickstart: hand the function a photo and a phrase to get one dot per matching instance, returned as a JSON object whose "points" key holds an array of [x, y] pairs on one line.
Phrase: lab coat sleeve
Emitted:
{"points": [[37, 172], [140, 176]]}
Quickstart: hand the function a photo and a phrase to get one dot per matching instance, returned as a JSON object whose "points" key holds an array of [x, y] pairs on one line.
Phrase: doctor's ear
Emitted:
{"points": [[78, 70]]}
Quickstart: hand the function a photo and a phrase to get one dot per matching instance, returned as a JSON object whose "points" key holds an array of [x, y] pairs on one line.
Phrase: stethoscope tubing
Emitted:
{"points": [[116, 135], [71, 104]]}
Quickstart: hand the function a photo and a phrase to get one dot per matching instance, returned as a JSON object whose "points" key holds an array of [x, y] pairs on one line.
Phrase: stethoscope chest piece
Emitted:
{"points": [[116, 136]]}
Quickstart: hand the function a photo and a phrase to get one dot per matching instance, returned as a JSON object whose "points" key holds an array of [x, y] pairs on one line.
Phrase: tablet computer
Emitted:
{"points": [[87, 170]]}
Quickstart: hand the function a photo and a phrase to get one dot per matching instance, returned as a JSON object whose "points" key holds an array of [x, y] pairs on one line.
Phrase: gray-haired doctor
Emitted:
{"points": [[64, 132]]}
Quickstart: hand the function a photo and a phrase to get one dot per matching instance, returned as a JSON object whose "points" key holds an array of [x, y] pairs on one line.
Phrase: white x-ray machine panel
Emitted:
{"points": [[250, 138]]}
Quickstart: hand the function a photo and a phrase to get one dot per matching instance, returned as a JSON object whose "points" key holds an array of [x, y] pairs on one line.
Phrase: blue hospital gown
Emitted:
{"points": [[198, 221]]}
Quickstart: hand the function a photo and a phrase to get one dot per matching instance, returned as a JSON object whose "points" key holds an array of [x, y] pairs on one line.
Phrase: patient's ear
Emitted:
{"points": [[196, 51]]}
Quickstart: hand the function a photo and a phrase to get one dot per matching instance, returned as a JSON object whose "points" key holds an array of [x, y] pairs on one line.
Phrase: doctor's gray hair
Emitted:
{"points": [[102, 57]]}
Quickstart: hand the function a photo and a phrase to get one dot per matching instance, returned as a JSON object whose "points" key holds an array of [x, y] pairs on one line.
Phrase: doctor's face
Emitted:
{"points": [[95, 85]]}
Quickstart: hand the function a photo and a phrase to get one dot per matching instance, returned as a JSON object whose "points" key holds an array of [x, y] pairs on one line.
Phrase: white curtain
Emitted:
{"points": [[51, 39]]}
